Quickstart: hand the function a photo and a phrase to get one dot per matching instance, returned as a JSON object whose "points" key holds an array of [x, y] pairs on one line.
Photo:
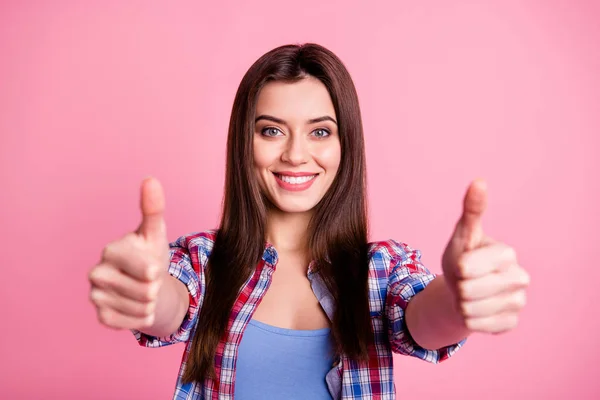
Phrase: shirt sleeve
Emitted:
{"points": [[187, 262], [407, 277]]}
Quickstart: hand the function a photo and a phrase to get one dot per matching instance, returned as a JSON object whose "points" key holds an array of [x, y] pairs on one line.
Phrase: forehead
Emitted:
{"points": [[304, 99]]}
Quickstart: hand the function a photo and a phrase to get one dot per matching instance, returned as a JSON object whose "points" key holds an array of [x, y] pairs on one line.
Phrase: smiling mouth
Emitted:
{"points": [[295, 180]]}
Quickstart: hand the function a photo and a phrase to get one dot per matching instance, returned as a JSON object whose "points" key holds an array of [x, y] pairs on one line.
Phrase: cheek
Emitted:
{"points": [[329, 157], [262, 155]]}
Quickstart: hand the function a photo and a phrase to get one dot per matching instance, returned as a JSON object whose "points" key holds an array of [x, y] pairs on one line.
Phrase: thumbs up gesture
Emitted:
{"points": [[126, 282], [484, 276]]}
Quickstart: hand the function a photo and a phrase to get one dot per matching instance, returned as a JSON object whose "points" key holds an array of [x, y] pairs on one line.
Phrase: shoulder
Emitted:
{"points": [[200, 243], [387, 255], [392, 249]]}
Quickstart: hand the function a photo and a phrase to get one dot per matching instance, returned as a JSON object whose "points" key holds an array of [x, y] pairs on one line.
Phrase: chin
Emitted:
{"points": [[294, 206]]}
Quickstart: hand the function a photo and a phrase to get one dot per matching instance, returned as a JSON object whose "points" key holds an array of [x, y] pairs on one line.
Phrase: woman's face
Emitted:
{"points": [[296, 143]]}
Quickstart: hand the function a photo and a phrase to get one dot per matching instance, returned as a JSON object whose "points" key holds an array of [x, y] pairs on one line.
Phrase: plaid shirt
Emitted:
{"points": [[395, 276]]}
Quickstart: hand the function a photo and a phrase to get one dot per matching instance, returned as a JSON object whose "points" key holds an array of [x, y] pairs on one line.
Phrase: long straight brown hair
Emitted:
{"points": [[337, 231]]}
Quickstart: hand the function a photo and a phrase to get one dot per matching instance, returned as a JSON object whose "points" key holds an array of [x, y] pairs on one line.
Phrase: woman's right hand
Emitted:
{"points": [[125, 283]]}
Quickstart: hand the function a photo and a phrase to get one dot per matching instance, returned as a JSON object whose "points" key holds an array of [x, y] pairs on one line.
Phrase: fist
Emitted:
{"points": [[484, 275], [126, 282]]}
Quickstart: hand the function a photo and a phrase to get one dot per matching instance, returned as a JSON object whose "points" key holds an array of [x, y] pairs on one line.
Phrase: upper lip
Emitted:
{"points": [[289, 173]]}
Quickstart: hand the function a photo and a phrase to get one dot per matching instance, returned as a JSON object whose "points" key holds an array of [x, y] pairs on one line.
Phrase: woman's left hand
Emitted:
{"points": [[483, 275]]}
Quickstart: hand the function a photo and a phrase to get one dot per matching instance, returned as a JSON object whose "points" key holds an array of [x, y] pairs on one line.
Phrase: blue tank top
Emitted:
{"points": [[278, 363]]}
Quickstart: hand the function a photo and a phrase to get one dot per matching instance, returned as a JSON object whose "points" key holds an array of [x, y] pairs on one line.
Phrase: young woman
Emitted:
{"points": [[288, 299]]}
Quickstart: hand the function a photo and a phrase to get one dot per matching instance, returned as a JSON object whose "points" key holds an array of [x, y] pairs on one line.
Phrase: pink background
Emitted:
{"points": [[96, 95]]}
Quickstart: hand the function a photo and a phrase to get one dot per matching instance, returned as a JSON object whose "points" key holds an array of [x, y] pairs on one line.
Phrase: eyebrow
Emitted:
{"points": [[280, 121]]}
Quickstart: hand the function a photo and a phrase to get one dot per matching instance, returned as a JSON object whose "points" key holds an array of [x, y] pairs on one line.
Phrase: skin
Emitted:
{"points": [[482, 288], [301, 137], [130, 286]]}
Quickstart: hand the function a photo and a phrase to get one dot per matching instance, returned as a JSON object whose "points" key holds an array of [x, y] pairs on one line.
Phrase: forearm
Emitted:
{"points": [[171, 307], [432, 317]]}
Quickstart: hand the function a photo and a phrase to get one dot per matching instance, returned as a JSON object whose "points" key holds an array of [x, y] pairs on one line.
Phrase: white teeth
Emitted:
{"points": [[296, 180]]}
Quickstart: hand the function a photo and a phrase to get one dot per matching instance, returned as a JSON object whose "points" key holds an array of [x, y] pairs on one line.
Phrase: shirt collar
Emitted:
{"points": [[270, 257]]}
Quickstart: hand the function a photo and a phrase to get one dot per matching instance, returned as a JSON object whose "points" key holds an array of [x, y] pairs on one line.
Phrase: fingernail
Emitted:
{"points": [[95, 295], [148, 321], [150, 308], [153, 292], [152, 272]]}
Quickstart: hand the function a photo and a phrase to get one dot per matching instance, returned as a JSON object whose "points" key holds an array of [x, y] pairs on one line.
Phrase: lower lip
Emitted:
{"points": [[294, 187]]}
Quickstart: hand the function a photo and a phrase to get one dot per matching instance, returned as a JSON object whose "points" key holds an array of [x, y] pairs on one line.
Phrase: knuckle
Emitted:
{"points": [[513, 304], [105, 316], [148, 321], [92, 275], [461, 265], [465, 308], [109, 251], [95, 275], [525, 279], [148, 308], [95, 296], [146, 292], [470, 324], [510, 253], [516, 301], [151, 291], [522, 301], [463, 289], [102, 275]]}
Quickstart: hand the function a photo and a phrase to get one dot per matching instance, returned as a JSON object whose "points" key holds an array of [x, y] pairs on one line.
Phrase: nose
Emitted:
{"points": [[296, 151]]}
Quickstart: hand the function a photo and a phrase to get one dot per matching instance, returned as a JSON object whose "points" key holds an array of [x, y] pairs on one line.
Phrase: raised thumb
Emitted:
{"points": [[469, 229], [153, 226]]}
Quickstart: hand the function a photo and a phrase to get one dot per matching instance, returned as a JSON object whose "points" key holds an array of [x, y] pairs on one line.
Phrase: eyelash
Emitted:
{"points": [[265, 129]]}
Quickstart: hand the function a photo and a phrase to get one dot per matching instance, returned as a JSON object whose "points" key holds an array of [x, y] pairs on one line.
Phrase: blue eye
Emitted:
{"points": [[321, 133], [270, 132]]}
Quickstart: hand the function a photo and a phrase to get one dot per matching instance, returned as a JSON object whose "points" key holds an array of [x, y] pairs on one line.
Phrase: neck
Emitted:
{"points": [[288, 231]]}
